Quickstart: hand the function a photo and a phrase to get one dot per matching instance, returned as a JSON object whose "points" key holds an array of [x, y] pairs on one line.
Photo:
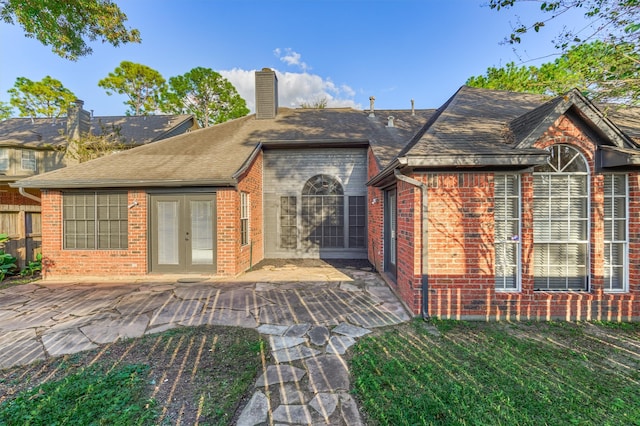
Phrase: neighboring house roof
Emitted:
{"points": [[212, 156], [626, 118], [43, 133]]}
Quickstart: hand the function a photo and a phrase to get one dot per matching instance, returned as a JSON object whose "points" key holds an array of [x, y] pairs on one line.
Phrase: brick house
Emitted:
{"points": [[31, 146], [496, 205]]}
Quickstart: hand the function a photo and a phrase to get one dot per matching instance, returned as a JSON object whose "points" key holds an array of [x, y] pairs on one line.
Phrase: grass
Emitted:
{"points": [[90, 396], [17, 280], [466, 373], [500, 374], [185, 376]]}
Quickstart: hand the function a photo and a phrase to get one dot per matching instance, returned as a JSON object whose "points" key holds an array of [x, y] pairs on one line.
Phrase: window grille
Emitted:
{"points": [[28, 160], [561, 221], [95, 220], [507, 231], [244, 218], [615, 232]]}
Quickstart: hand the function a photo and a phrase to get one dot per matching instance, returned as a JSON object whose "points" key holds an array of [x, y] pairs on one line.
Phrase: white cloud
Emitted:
{"points": [[294, 89], [291, 58]]}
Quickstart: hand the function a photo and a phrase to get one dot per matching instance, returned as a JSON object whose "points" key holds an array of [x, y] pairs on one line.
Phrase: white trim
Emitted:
{"points": [[587, 241], [625, 276], [517, 242]]}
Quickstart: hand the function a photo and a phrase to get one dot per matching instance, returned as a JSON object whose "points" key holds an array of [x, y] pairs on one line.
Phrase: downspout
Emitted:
{"points": [[423, 230], [29, 196]]}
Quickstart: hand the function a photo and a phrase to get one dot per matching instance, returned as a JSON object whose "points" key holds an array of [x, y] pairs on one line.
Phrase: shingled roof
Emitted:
{"points": [[46, 133], [212, 156]]}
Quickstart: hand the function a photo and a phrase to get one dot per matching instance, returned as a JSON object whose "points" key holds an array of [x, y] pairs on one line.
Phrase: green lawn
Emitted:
{"points": [[182, 376], [500, 374]]}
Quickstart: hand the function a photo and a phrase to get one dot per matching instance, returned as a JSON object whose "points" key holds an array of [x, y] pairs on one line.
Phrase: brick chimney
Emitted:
{"points": [[78, 120], [266, 94]]}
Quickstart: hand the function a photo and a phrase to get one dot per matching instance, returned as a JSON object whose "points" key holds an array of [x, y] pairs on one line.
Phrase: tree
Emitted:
{"points": [[319, 103], [45, 98], [601, 71], [140, 83], [211, 98], [67, 25], [613, 21], [5, 110], [90, 146]]}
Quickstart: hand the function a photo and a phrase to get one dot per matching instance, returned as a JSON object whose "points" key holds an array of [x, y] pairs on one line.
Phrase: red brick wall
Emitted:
{"points": [[461, 254], [232, 257], [375, 216], [251, 182], [227, 230], [409, 262], [60, 262], [11, 196]]}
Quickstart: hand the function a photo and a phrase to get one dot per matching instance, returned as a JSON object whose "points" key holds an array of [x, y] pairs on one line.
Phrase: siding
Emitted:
{"points": [[285, 173]]}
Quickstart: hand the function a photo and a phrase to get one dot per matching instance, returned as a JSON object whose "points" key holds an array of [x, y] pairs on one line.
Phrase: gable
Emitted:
{"points": [[529, 127]]}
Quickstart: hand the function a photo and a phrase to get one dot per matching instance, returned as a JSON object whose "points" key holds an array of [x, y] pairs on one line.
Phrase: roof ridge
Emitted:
{"points": [[420, 133]]}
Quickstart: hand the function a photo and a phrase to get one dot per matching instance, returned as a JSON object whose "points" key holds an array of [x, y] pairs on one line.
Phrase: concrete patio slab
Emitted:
{"points": [[327, 373], [116, 327], [144, 301], [20, 347], [65, 342], [175, 312], [280, 374]]}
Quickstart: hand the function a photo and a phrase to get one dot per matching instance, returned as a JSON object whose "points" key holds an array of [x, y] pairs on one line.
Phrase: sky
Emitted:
{"points": [[341, 50]]}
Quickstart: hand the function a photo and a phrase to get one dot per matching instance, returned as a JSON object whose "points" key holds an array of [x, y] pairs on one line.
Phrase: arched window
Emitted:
{"points": [[322, 185], [561, 221], [323, 212]]}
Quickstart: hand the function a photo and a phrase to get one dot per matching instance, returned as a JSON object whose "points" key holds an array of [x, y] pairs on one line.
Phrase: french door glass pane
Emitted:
{"points": [[201, 232], [168, 229]]}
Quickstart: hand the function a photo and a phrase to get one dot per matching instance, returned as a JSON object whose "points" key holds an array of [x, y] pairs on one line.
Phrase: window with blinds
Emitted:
{"points": [[323, 213], [507, 231], [561, 221], [357, 221], [244, 218], [615, 232], [4, 159], [95, 220], [28, 161], [289, 222]]}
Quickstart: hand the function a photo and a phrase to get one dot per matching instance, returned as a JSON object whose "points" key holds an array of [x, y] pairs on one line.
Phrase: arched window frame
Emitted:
{"points": [[561, 221]]}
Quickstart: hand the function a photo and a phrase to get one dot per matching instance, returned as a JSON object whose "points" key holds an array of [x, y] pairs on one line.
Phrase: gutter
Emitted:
{"points": [[29, 196], [156, 183], [423, 231]]}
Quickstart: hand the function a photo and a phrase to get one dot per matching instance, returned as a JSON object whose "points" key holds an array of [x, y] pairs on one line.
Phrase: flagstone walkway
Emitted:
{"points": [[310, 316]]}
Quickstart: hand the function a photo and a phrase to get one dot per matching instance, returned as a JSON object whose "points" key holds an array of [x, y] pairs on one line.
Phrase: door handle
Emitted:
{"points": [[186, 237]]}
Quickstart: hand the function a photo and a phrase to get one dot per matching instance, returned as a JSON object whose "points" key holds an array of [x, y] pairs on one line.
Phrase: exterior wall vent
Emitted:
{"points": [[266, 94]]}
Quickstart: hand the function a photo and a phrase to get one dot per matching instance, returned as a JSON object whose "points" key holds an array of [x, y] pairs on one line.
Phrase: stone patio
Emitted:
{"points": [[310, 316]]}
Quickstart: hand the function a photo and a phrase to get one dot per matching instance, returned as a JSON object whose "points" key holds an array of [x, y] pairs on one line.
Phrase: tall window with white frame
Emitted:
{"points": [[244, 218], [615, 232], [561, 221], [28, 160], [507, 231], [4, 159]]}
